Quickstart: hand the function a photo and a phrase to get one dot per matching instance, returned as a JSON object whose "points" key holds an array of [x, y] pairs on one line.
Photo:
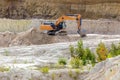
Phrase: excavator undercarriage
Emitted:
{"points": [[54, 32]]}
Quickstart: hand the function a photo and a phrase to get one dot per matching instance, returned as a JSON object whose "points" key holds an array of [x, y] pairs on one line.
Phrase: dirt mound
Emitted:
{"points": [[34, 36], [6, 38], [31, 37]]}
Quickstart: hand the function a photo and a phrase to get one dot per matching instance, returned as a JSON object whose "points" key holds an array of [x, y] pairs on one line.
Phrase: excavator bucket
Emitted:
{"points": [[82, 33]]}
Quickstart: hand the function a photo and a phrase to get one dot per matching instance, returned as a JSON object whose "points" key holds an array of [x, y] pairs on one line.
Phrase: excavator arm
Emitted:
{"points": [[76, 17]]}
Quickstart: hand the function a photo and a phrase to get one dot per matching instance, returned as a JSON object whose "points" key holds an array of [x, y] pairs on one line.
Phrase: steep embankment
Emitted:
{"points": [[94, 8], [54, 8], [106, 70]]}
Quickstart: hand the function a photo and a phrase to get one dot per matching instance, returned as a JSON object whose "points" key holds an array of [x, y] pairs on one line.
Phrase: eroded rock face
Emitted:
{"points": [[106, 70], [100, 26], [88, 8]]}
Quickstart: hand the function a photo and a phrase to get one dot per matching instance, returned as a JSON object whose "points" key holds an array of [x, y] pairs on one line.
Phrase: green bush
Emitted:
{"points": [[102, 52], [114, 50], [62, 61], [89, 57], [6, 53], [77, 52], [3, 69], [44, 69], [53, 76], [70, 73], [75, 62], [82, 53], [72, 49], [83, 56]]}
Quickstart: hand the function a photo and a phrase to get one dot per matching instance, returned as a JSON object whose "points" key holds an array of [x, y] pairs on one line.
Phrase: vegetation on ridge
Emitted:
{"points": [[84, 56]]}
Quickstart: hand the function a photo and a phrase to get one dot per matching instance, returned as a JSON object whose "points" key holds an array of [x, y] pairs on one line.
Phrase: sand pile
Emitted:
{"points": [[32, 37], [36, 37]]}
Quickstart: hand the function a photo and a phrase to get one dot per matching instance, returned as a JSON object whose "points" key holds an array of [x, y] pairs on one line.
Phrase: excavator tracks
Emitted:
{"points": [[53, 32]]}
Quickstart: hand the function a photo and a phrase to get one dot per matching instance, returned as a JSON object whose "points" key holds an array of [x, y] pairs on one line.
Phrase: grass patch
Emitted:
{"points": [[4, 69], [6, 53], [75, 62], [44, 69], [53, 76], [70, 73], [62, 61]]}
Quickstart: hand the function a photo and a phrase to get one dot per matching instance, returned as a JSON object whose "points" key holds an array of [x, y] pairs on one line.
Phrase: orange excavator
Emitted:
{"points": [[59, 26]]}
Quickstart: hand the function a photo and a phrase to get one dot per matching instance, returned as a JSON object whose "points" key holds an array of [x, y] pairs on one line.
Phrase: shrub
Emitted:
{"points": [[70, 73], [114, 50], [3, 69], [72, 49], [101, 51], [53, 76], [6, 53], [44, 69], [62, 61], [89, 57], [109, 55], [77, 71], [82, 53], [77, 52], [80, 50], [75, 62]]}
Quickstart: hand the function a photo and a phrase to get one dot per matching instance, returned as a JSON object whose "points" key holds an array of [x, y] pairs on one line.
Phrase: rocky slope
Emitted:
{"points": [[106, 70]]}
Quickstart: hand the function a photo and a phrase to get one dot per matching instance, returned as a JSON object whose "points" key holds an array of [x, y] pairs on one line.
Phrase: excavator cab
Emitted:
{"points": [[57, 29]]}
